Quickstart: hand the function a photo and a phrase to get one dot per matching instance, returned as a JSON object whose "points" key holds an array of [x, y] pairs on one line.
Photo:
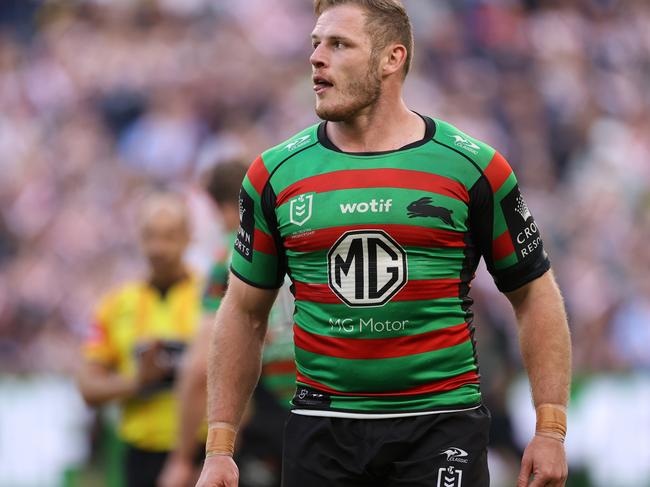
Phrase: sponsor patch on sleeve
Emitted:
{"points": [[521, 225], [244, 240]]}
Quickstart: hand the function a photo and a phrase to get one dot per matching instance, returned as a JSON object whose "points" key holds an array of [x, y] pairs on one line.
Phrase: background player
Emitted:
{"points": [[418, 372], [262, 439], [140, 332]]}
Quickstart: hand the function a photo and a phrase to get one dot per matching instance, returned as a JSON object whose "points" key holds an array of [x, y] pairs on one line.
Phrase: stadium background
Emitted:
{"points": [[100, 100]]}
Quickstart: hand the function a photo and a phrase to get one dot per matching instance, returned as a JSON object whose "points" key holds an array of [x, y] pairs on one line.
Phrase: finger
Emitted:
{"points": [[524, 472], [539, 481]]}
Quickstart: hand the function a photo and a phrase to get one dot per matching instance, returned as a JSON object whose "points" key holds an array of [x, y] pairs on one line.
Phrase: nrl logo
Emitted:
{"points": [[300, 209], [466, 144], [450, 477]]}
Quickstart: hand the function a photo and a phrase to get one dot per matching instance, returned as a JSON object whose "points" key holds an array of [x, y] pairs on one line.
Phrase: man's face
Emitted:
{"points": [[164, 236], [345, 72]]}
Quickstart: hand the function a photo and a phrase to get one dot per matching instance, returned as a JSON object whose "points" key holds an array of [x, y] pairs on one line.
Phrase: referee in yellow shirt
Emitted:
{"points": [[138, 337]]}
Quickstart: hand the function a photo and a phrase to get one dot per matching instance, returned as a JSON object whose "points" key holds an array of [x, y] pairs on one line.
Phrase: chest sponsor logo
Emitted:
{"points": [[366, 268], [246, 231], [455, 454], [300, 209], [424, 208], [348, 325], [464, 143], [450, 477], [523, 229], [522, 208], [372, 206]]}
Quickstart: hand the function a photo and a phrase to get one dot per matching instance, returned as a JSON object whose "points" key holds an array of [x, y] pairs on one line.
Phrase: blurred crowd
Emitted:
{"points": [[101, 100]]}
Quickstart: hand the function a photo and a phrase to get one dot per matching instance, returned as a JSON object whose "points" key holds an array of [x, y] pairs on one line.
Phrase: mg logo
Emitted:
{"points": [[300, 209], [366, 268]]}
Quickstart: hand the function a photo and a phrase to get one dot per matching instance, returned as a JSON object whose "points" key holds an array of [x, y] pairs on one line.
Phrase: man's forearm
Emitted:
{"points": [[234, 363], [545, 340], [192, 392], [99, 386]]}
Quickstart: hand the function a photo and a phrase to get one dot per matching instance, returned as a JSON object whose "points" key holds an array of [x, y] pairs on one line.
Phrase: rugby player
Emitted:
{"points": [[272, 397], [380, 216]]}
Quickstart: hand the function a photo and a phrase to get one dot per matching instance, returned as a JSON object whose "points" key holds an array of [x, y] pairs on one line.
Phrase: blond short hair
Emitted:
{"points": [[386, 21]]}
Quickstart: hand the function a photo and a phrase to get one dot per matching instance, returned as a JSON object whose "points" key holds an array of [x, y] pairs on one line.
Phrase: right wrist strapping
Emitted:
{"points": [[221, 439], [551, 421]]}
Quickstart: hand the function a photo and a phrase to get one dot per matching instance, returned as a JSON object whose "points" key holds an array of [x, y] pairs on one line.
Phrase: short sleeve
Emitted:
{"points": [[256, 256], [504, 229], [216, 285], [98, 346]]}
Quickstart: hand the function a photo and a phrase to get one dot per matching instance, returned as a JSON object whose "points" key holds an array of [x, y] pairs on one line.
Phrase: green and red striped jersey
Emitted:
{"points": [[381, 249]]}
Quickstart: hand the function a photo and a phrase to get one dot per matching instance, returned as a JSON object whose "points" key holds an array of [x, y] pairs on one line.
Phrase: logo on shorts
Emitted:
{"points": [[455, 454], [450, 477], [300, 209]]}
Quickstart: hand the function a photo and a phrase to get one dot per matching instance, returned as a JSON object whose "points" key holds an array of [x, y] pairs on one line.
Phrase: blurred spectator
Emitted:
{"points": [[139, 335]]}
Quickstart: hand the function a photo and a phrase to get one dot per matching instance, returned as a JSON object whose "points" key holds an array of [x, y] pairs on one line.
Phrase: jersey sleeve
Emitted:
{"points": [[98, 346], [504, 229], [257, 257], [215, 286]]}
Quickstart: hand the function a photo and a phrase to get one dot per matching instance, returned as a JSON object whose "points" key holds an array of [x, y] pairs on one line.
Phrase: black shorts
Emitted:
{"points": [[436, 450], [142, 467]]}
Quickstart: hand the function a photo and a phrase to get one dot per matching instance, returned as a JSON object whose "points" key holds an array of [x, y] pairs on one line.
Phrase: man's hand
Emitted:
{"points": [[219, 471], [150, 369], [545, 460], [178, 472]]}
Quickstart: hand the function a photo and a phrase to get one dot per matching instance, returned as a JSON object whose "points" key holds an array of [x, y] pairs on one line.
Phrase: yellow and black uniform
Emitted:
{"points": [[127, 319]]}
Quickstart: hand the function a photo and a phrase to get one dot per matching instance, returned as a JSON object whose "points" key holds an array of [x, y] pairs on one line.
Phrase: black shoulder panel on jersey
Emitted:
{"points": [[268, 200]]}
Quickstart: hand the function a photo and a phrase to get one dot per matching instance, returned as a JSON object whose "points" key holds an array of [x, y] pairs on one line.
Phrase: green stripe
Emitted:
{"points": [[210, 304], [282, 381], [261, 272], [388, 374], [431, 158], [328, 206], [465, 396], [422, 317]]}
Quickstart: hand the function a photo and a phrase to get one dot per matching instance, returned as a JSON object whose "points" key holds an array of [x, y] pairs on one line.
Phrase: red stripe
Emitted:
{"points": [[279, 368], [378, 348], [258, 175], [376, 178], [450, 384], [263, 242], [502, 246], [412, 291], [497, 171], [408, 235]]}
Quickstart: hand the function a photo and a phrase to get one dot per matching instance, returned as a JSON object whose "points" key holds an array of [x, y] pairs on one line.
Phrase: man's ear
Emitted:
{"points": [[394, 59]]}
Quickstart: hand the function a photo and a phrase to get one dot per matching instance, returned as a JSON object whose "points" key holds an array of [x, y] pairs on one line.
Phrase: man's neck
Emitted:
{"points": [[383, 127], [163, 282]]}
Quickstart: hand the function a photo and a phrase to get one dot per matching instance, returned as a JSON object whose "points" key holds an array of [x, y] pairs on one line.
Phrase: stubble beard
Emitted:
{"points": [[357, 95]]}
